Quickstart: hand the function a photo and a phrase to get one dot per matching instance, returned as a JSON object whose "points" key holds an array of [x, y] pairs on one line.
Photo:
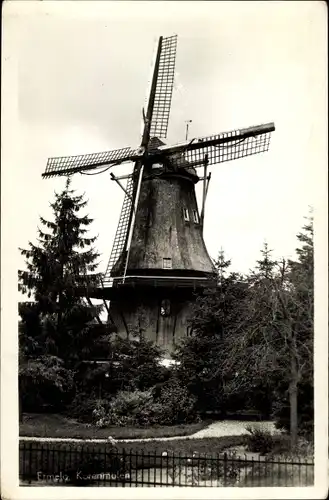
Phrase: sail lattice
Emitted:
{"points": [[67, 165], [164, 87], [222, 147], [118, 248]]}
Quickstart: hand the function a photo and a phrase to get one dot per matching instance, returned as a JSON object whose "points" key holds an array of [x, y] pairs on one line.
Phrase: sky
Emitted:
{"points": [[82, 77]]}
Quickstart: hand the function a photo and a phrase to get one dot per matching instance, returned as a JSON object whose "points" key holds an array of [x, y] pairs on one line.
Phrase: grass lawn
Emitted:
{"points": [[51, 457], [59, 426], [207, 446], [55, 458]]}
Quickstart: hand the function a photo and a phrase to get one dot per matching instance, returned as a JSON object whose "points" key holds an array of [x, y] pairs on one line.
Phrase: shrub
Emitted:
{"points": [[199, 469], [259, 440], [83, 406], [44, 382], [124, 409], [282, 447], [174, 404], [166, 405]]}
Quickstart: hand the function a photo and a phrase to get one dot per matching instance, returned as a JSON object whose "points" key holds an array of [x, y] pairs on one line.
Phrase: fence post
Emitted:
{"points": [[225, 468], [30, 461]]}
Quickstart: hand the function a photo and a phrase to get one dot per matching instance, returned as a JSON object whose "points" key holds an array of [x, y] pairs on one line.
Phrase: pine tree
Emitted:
{"points": [[59, 327], [266, 267], [221, 265]]}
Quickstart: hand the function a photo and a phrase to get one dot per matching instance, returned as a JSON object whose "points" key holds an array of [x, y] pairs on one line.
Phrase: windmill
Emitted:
{"points": [[159, 258]]}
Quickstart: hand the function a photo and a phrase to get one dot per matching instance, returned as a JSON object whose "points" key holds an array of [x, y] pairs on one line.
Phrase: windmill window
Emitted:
{"points": [[167, 263], [195, 217], [165, 307], [186, 215]]}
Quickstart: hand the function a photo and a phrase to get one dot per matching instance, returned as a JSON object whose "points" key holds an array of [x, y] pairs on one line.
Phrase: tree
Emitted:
{"points": [[135, 364], [273, 342], [60, 323], [265, 268], [298, 310], [201, 354], [222, 265], [132, 366]]}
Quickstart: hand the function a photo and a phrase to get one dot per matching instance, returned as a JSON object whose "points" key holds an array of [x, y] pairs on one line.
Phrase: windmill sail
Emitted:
{"points": [[117, 265], [164, 87], [220, 148], [67, 165], [118, 253]]}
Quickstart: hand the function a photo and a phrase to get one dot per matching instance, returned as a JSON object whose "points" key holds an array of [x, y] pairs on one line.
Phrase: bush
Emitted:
{"points": [[167, 404], [173, 404], [83, 406], [44, 382], [124, 409], [260, 440]]}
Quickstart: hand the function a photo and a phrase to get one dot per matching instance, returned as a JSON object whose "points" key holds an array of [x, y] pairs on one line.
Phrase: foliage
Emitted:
{"points": [[305, 408], [131, 365], [59, 323], [44, 380], [259, 440], [300, 312], [200, 469], [252, 339], [173, 404], [166, 405], [274, 342], [124, 409], [83, 406], [200, 356], [134, 365]]}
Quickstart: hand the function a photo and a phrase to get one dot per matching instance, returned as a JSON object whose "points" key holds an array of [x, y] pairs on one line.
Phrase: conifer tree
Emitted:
{"points": [[266, 266], [59, 327], [221, 265], [213, 318]]}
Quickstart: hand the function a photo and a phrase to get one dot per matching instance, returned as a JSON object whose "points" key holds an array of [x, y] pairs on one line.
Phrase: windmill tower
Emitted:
{"points": [[159, 258]]}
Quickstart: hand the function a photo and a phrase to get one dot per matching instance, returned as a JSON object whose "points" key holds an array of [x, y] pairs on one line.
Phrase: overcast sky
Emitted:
{"points": [[83, 71]]}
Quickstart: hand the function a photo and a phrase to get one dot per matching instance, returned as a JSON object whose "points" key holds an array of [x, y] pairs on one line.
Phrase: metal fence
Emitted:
{"points": [[59, 464]]}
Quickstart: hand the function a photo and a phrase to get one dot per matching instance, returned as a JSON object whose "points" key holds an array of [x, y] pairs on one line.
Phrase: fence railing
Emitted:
{"points": [[59, 464]]}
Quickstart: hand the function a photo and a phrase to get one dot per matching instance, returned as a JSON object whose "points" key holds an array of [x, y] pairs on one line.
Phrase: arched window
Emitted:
{"points": [[165, 308]]}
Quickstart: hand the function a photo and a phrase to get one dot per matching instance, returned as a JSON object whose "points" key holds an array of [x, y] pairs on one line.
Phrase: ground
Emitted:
{"points": [[58, 426], [207, 439]]}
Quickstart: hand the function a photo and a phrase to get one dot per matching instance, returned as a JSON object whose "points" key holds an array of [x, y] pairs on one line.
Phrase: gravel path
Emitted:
{"points": [[216, 429], [232, 428]]}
